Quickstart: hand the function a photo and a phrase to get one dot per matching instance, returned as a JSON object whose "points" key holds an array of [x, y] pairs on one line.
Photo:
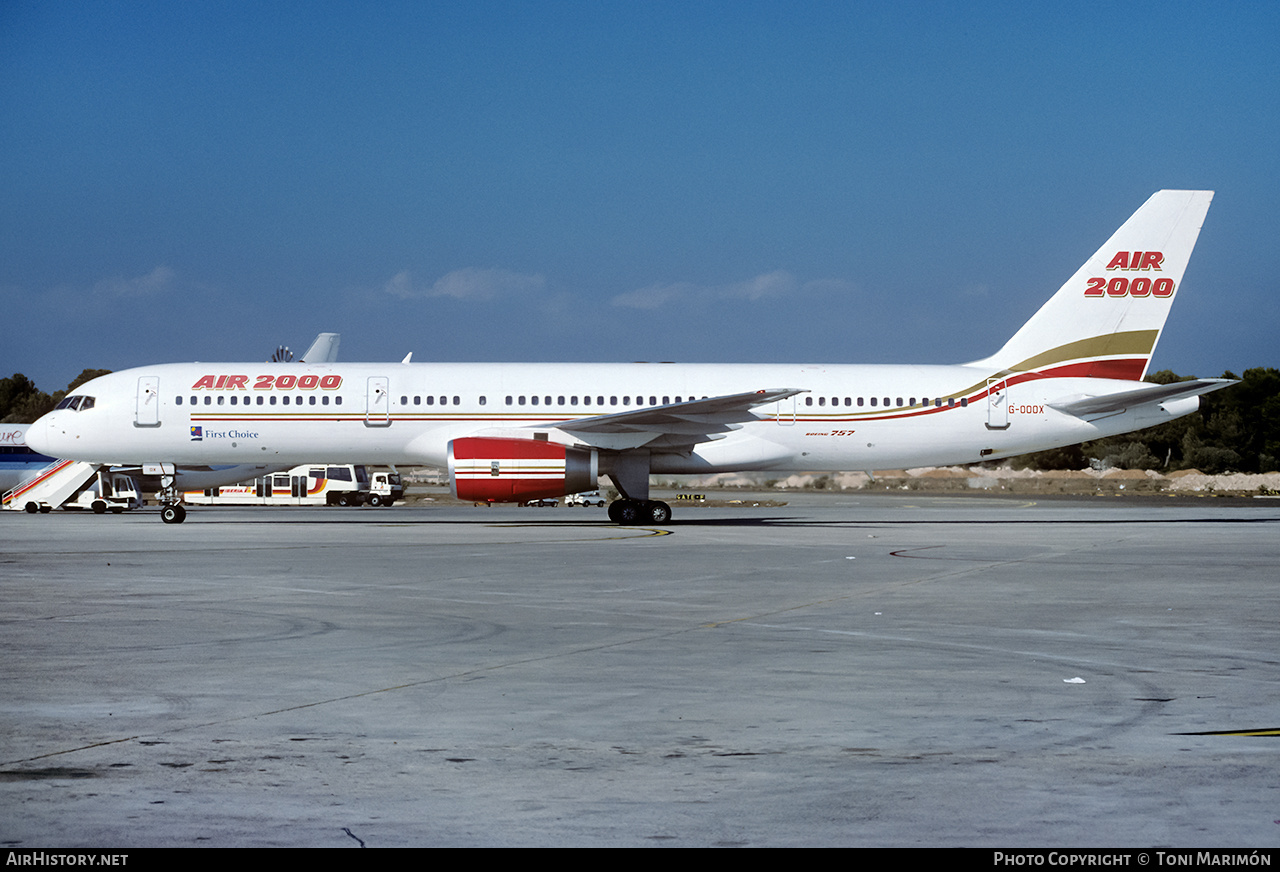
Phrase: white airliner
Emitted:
{"points": [[515, 432]]}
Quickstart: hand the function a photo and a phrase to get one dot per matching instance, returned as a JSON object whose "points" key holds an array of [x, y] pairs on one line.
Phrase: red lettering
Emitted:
{"points": [[264, 383], [308, 382], [222, 382], [205, 382], [1151, 260], [237, 382], [285, 382], [330, 382], [1120, 261], [1122, 287]]}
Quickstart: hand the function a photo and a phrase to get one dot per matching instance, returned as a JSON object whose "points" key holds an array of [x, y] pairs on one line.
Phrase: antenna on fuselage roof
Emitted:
{"points": [[406, 357]]}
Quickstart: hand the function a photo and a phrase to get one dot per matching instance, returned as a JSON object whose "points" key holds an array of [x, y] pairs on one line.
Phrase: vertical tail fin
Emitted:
{"points": [[1105, 321]]}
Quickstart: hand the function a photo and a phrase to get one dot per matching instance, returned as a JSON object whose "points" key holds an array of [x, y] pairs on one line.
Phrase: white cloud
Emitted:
{"points": [[772, 285], [469, 283], [160, 280]]}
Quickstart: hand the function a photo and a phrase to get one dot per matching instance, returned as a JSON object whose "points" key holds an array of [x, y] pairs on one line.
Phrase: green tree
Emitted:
{"points": [[21, 402]]}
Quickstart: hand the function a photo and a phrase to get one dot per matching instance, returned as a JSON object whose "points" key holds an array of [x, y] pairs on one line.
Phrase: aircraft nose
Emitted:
{"points": [[38, 436]]}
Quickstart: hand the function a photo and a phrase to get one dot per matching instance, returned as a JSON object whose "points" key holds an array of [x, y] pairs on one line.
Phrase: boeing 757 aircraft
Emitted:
{"points": [[516, 432]]}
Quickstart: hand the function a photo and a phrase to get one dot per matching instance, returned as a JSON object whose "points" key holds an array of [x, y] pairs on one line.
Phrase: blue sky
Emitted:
{"points": [[599, 181]]}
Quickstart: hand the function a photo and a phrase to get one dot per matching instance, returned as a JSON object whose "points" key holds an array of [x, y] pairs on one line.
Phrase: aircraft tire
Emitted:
{"points": [[659, 512], [173, 514], [625, 512]]}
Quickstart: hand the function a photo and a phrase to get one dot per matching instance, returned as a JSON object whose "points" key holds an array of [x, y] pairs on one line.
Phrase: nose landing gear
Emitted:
{"points": [[172, 510]]}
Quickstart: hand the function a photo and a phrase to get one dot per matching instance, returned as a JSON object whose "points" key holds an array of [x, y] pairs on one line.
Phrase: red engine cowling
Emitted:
{"points": [[501, 470]]}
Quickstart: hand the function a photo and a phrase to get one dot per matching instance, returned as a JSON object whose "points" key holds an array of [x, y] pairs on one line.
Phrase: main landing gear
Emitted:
{"points": [[639, 512]]}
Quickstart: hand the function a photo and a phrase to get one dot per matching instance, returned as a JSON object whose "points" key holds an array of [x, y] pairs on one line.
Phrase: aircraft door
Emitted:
{"points": [[997, 404], [147, 411], [378, 402], [784, 412]]}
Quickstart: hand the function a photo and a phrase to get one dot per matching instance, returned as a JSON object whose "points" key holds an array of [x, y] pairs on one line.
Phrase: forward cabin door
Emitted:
{"points": [[147, 412]]}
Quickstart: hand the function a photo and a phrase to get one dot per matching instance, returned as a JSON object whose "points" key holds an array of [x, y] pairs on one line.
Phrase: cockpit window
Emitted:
{"points": [[76, 403]]}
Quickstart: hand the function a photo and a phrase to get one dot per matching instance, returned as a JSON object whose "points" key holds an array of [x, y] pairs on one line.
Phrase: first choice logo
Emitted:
{"points": [[268, 382], [1122, 286]]}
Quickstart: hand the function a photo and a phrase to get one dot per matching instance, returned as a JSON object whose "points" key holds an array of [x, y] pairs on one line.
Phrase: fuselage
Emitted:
{"points": [[846, 416]]}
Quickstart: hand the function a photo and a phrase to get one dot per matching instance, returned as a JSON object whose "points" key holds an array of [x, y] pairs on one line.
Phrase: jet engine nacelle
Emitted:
{"points": [[501, 470]]}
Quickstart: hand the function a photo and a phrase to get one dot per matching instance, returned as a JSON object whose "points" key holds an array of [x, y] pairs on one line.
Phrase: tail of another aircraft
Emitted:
{"points": [[1105, 321]]}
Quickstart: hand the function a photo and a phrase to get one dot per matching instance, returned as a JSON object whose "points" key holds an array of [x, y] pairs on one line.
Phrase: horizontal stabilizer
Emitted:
{"points": [[1082, 404]]}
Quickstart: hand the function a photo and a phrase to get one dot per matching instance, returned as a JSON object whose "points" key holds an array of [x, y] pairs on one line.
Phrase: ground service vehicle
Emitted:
{"points": [[314, 484]]}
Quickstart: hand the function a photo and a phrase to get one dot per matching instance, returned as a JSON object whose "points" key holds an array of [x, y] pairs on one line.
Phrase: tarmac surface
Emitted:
{"points": [[847, 669]]}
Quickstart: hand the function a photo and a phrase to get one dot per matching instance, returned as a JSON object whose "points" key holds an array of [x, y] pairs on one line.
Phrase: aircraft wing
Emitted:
{"points": [[1081, 405], [675, 425]]}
